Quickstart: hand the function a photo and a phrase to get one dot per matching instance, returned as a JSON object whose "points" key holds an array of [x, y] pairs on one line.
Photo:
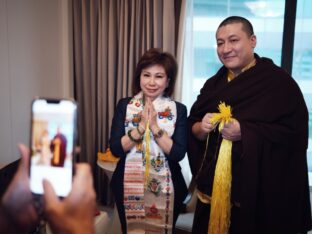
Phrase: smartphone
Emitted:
{"points": [[52, 144]]}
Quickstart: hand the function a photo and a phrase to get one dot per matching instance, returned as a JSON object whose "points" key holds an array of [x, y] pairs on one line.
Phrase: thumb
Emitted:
{"points": [[49, 197], [24, 163]]}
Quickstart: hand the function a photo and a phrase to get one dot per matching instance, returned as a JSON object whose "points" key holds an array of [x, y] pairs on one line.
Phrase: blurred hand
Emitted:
{"points": [[231, 131], [75, 213], [17, 202]]}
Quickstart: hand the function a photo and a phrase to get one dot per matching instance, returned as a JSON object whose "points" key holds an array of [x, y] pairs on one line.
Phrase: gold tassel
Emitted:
{"points": [[220, 212], [147, 153]]}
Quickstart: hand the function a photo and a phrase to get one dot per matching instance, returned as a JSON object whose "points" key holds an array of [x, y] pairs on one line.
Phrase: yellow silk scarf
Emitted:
{"points": [[220, 212], [147, 153]]}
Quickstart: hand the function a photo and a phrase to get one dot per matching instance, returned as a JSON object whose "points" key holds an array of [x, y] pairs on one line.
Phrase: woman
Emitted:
{"points": [[45, 152], [149, 135]]}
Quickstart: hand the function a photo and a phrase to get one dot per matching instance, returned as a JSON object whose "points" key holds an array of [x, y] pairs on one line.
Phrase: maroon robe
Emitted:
{"points": [[62, 141], [269, 164]]}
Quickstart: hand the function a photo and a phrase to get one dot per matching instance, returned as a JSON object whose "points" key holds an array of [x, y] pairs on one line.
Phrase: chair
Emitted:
{"points": [[101, 223], [185, 220]]}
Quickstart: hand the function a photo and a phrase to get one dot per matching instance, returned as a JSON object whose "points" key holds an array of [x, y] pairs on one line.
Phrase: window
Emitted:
{"points": [[205, 16], [267, 17], [302, 62]]}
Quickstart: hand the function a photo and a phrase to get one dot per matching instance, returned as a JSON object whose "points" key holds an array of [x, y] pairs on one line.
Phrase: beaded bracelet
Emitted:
{"points": [[132, 139], [141, 133], [159, 133]]}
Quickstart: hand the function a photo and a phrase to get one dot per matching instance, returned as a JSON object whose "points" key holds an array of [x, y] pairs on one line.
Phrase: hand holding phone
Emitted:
{"points": [[53, 131]]}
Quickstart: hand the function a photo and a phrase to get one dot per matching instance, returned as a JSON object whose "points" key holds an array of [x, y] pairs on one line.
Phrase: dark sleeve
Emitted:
{"points": [[179, 136], [118, 128], [195, 147]]}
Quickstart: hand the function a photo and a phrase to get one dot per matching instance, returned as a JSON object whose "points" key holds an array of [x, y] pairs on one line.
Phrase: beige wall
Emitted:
{"points": [[35, 60]]}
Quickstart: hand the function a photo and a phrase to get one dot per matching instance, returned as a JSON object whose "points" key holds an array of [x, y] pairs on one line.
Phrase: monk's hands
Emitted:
{"points": [[232, 131], [203, 128], [206, 124]]}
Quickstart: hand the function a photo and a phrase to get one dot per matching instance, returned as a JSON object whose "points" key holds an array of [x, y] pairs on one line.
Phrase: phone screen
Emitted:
{"points": [[52, 144]]}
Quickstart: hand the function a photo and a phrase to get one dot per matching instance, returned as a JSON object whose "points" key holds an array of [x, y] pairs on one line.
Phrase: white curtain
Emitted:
{"points": [[186, 73]]}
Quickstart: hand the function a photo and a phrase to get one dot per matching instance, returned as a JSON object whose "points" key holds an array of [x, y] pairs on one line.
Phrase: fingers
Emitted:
{"points": [[144, 115], [83, 180], [83, 185], [148, 100], [24, 164], [83, 171], [206, 124], [153, 117], [227, 131], [81, 202], [77, 149], [50, 198], [151, 106], [147, 112], [231, 131]]}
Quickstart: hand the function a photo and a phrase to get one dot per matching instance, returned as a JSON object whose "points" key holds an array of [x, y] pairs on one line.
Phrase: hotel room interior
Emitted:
{"points": [[88, 49]]}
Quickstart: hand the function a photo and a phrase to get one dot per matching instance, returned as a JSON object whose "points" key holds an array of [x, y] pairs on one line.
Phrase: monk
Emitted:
{"points": [[262, 186]]}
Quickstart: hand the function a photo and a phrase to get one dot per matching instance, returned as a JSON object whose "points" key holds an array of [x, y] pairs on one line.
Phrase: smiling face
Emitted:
{"points": [[153, 81], [235, 47]]}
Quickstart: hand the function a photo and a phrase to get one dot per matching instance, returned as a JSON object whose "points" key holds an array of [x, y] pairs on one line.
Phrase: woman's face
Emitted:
{"points": [[153, 81]]}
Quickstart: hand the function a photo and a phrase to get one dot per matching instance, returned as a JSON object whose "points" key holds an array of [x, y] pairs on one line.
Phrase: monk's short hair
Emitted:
{"points": [[247, 26]]}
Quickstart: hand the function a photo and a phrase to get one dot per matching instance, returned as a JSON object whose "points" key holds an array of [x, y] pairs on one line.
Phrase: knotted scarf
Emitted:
{"points": [[220, 212]]}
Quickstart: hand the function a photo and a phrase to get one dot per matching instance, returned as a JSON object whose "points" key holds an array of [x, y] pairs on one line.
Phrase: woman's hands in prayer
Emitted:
{"points": [[149, 114]]}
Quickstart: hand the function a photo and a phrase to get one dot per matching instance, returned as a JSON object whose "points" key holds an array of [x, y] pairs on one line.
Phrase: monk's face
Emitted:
{"points": [[235, 47]]}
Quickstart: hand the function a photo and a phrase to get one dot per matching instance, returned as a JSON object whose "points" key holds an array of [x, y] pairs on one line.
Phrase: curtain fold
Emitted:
{"points": [[109, 38], [182, 17]]}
